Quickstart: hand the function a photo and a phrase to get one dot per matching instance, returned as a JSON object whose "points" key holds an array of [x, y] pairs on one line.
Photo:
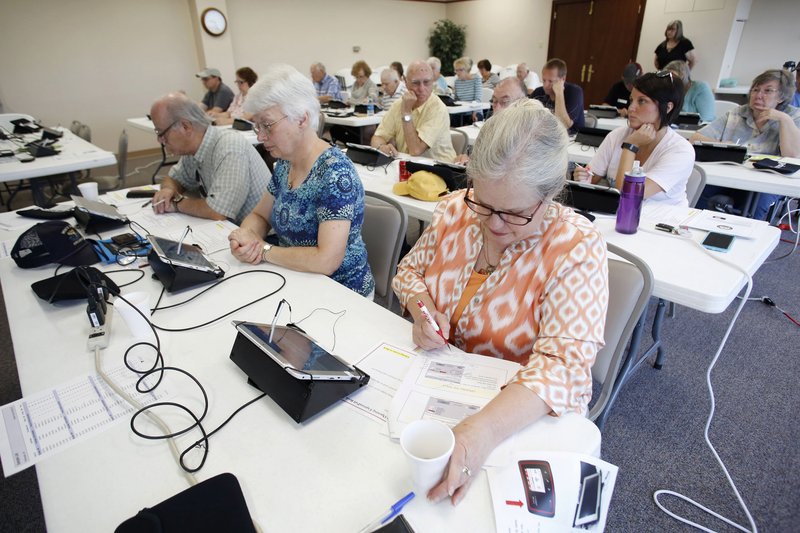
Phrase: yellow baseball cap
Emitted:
{"points": [[422, 185]]}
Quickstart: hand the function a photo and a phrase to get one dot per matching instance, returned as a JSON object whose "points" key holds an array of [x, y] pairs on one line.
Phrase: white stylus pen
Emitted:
{"points": [[431, 321]]}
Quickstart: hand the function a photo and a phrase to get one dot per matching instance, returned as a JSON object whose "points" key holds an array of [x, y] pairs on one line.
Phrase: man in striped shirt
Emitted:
{"points": [[391, 87]]}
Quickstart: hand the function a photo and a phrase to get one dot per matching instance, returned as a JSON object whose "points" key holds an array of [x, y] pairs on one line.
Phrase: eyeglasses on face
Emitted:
{"points": [[515, 219], [266, 129], [161, 133], [239, 82], [419, 83], [768, 91], [501, 102]]}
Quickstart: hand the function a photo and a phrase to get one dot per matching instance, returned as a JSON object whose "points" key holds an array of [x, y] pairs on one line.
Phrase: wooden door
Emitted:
{"points": [[596, 38]]}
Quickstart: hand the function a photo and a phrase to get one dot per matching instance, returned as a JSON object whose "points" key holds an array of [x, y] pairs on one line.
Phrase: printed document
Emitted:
{"points": [[539, 492], [447, 386]]}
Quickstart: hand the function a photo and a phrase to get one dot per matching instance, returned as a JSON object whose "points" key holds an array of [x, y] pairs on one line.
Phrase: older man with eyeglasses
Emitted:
{"points": [[417, 124], [219, 174]]}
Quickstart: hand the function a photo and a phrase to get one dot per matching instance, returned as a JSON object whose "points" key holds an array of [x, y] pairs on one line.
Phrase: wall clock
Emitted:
{"points": [[214, 22]]}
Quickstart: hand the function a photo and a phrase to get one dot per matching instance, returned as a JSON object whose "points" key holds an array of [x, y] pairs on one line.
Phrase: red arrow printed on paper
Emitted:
{"points": [[512, 502]]}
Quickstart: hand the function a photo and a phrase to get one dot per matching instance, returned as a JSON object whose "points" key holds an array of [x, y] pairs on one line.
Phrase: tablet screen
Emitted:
{"points": [[295, 349], [190, 256]]}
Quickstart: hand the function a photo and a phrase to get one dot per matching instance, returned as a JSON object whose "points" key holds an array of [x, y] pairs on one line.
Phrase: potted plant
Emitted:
{"points": [[447, 42]]}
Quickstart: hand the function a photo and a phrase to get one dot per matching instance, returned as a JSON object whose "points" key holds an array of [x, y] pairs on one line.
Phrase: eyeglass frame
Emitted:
{"points": [[665, 74], [266, 129], [769, 91], [471, 204], [161, 134]]}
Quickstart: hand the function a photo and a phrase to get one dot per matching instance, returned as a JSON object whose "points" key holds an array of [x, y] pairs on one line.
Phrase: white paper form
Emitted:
{"points": [[120, 197], [538, 492], [46, 423], [447, 387], [211, 236], [386, 366]]}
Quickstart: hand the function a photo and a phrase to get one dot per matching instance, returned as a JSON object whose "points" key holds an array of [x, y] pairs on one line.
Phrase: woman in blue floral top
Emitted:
{"points": [[315, 200]]}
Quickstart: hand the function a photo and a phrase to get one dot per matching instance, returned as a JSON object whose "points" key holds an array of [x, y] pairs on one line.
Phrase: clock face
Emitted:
{"points": [[214, 21]]}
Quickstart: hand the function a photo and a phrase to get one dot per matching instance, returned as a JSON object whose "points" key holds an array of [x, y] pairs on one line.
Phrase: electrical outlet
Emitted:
{"points": [[356, 49]]}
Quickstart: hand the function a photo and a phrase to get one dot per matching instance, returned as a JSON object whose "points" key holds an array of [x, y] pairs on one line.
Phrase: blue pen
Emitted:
{"points": [[393, 511]]}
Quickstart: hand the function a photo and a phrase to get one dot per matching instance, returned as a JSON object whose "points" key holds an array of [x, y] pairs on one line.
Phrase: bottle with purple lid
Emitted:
{"points": [[630, 201]]}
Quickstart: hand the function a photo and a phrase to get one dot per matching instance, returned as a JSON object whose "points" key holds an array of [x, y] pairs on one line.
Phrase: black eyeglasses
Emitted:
{"points": [[161, 134], [200, 184], [515, 219]]}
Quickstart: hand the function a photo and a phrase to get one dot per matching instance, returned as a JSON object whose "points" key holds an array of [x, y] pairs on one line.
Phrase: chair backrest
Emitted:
{"points": [[81, 130], [507, 73], [695, 185], [589, 120], [321, 127], [630, 284], [460, 141], [723, 106], [486, 94], [383, 231], [345, 78]]}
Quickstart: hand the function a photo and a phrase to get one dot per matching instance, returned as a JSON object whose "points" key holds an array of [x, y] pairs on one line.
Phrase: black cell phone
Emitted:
{"points": [[124, 239], [141, 193], [718, 242]]}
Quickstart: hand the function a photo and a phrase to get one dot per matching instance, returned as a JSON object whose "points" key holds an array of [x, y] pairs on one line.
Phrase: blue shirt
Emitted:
{"points": [[699, 99], [469, 90], [332, 191], [796, 100], [738, 126], [329, 86]]}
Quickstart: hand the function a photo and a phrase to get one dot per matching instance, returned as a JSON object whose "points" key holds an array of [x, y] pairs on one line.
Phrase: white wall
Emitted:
{"points": [[707, 23], [304, 31], [102, 61], [96, 61], [505, 31], [771, 37]]}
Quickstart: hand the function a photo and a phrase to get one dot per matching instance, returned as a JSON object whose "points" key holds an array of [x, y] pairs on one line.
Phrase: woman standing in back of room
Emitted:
{"points": [[675, 46]]}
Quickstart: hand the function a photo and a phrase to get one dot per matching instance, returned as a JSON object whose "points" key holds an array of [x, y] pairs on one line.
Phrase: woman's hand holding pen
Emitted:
{"points": [[246, 246], [582, 174], [423, 334]]}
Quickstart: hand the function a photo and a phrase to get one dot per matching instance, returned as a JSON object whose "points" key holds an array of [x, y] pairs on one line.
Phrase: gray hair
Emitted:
{"points": [[391, 74], [284, 86], [682, 68], [525, 143], [785, 81], [318, 66], [435, 63], [179, 107]]}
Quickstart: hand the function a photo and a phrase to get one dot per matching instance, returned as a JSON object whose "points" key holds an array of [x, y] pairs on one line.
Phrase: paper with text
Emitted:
{"points": [[46, 423], [447, 386]]}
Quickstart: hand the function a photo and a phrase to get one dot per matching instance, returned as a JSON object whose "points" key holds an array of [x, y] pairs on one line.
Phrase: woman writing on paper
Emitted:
{"points": [[245, 78], [666, 157], [507, 272], [314, 201]]}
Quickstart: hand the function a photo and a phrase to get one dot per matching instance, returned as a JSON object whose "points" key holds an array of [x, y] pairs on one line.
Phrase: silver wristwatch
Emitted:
{"points": [[267, 248]]}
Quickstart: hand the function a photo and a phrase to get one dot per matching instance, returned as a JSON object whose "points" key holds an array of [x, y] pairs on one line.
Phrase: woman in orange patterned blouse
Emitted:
{"points": [[508, 272]]}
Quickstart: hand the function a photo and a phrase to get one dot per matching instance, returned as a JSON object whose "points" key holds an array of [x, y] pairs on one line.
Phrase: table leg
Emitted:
{"points": [[658, 321], [750, 203]]}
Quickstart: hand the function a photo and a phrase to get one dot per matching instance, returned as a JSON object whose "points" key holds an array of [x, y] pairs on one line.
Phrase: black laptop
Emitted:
{"points": [[591, 136]]}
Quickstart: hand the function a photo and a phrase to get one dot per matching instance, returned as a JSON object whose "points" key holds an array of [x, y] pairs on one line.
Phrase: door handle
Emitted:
{"points": [[591, 71], [583, 71]]}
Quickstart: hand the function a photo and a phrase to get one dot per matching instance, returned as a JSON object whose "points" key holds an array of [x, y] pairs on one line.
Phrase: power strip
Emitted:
{"points": [[99, 335]]}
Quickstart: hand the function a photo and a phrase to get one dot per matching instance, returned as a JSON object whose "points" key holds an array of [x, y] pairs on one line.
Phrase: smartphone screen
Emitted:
{"points": [[718, 241]]}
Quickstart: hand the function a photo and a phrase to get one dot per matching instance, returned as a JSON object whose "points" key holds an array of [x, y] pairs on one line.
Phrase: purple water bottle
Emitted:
{"points": [[630, 201]]}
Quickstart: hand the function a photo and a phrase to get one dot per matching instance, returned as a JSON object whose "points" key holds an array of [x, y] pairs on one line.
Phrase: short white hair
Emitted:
{"points": [[391, 74], [525, 143], [284, 86], [435, 63]]}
